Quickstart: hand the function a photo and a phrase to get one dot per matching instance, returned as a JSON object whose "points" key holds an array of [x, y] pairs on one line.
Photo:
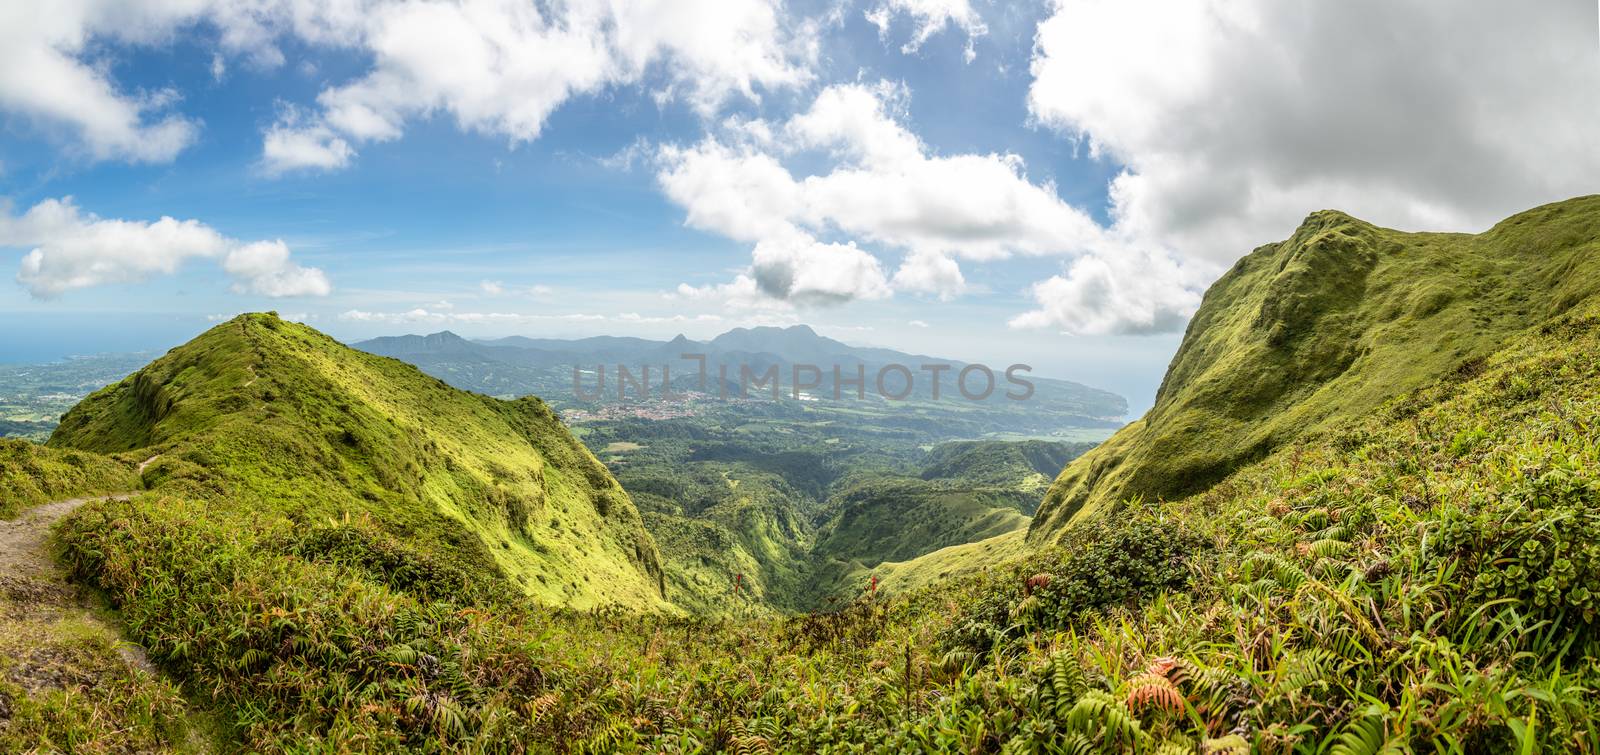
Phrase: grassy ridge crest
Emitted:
{"points": [[282, 421], [1325, 327]]}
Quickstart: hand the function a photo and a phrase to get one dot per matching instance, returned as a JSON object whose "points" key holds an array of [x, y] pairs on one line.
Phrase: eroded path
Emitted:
{"points": [[24, 541], [69, 679]]}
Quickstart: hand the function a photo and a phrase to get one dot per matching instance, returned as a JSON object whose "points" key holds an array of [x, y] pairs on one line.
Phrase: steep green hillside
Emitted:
{"points": [[31, 474], [893, 519], [795, 510], [1419, 579], [722, 523], [1326, 326], [1026, 466], [292, 427], [965, 508]]}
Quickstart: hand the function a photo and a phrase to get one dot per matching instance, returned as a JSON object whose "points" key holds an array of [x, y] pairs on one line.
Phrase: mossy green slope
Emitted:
{"points": [[896, 518], [31, 474], [1326, 326], [1415, 580], [735, 540], [968, 507], [288, 423]]}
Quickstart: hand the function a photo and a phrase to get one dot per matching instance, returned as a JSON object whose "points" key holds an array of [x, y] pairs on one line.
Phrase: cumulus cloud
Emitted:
{"points": [[931, 274], [883, 187], [742, 293], [806, 271], [72, 249], [501, 68], [928, 17], [45, 78], [1235, 118], [290, 145], [1130, 291], [496, 67], [264, 268]]}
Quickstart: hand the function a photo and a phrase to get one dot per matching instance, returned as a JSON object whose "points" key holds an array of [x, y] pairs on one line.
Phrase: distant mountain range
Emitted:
{"points": [[518, 365]]}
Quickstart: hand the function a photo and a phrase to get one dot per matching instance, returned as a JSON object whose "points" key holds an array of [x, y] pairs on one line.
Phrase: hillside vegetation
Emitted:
{"points": [[1419, 578], [786, 516], [1416, 576], [31, 474], [1324, 327], [355, 457]]}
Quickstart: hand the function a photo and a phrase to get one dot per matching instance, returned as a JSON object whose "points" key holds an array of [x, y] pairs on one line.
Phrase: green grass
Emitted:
{"points": [[716, 522], [894, 519], [1394, 581], [1324, 327], [31, 474], [1417, 576], [277, 420], [65, 688]]}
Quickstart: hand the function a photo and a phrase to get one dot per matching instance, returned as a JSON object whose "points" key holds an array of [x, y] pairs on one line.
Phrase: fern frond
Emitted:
{"points": [[1154, 691]]}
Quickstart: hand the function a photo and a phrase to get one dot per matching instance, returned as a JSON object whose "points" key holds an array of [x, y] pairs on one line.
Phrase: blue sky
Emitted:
{"points": [[1051, 183]]}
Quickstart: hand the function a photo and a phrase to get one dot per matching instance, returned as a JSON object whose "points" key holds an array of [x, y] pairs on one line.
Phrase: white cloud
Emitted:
{"points": [[884, 188], [887, 186], [492, 288], [424, 315], [930, 274], [1125, 292], [1235, 118], [635, 317], [290, 146], [437, 316], [800, 269], [77, 250], [497, 67], [501, 68], [45, 78], [742, 294], [73, 249], [917, 324], [264, 268], [928, 18], [741, 194]]}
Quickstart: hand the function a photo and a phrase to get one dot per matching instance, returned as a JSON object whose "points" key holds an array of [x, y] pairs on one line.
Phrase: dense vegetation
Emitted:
{"points": [[1416, 579], [31, 474], [1418, 575], [782, 515], [277, 422], [1323, 328]]}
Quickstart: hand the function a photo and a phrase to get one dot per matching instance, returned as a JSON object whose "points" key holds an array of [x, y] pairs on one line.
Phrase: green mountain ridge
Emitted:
{"points": [[1324, 327], [289, 423], [1414, 576]]}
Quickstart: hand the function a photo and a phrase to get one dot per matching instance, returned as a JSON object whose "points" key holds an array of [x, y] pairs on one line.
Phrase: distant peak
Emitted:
{"points": [[801, 329]]}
